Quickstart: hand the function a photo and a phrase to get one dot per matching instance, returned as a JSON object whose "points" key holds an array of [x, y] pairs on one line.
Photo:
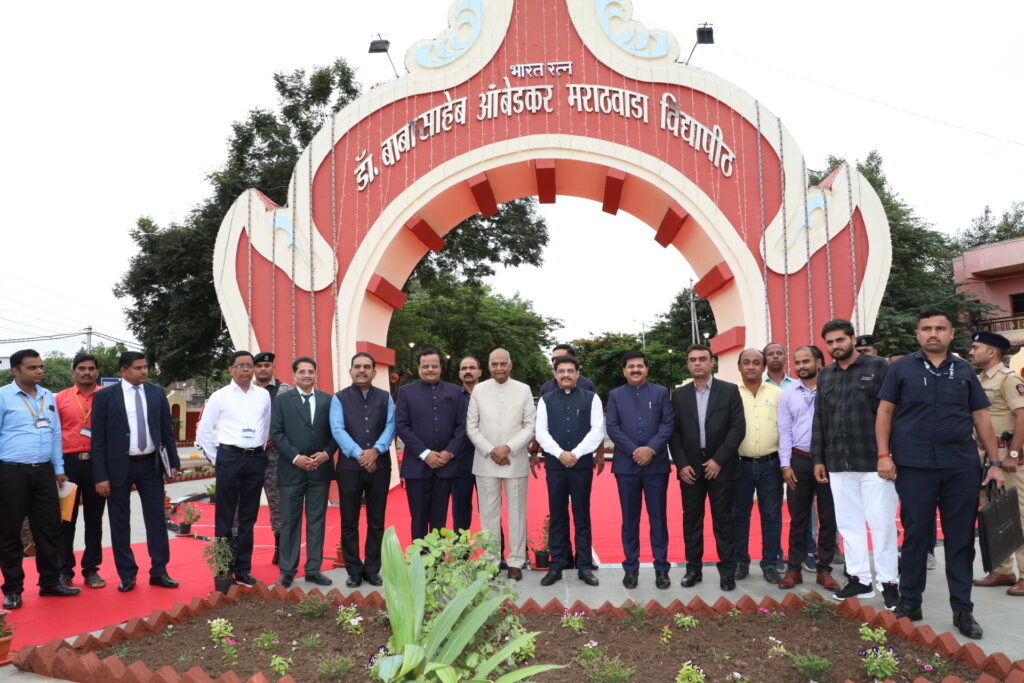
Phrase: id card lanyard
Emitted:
{"points": [[39, 421], [928, 367]]}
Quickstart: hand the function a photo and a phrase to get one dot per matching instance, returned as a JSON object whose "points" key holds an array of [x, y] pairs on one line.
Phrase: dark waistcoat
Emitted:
{"points": [[568, 422], [365, 421]]}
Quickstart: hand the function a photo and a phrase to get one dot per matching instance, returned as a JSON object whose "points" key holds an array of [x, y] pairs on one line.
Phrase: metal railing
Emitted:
{"points": [[1004, 324]]}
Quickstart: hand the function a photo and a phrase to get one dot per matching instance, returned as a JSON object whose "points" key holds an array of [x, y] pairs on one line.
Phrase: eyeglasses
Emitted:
{"points": [[242, 367]]}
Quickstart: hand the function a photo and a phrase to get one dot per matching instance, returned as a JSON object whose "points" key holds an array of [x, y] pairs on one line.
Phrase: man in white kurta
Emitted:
{"points": [[500, 425]]}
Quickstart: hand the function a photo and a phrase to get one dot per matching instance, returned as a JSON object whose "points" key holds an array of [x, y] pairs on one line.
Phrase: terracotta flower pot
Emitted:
{"points": [[5, 649]]}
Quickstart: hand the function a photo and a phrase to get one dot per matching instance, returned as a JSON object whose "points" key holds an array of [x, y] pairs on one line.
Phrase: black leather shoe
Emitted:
{"points": [[587, 577], [661, 580], [163, 581], [12, 600], [964, 621], [690, 579], [354, 581], [373, 579], [771, 575], [629, 580], [285, 581], [905, 610], [247, 580], [60, 591], [126, 585], [318, 578], [66, 579], [743, 571], [551, 577], [727, 583]]}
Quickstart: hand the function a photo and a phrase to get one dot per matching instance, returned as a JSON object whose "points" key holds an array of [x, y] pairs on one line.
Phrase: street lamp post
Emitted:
{"points": [[412, 345]]}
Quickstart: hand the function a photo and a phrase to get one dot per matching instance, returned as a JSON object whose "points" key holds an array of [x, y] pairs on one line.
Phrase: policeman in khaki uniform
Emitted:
{"points": [[1005, 390]]}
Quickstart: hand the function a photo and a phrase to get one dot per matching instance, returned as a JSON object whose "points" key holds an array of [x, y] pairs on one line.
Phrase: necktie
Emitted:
{"points": [[305, 403], [140, 419]]}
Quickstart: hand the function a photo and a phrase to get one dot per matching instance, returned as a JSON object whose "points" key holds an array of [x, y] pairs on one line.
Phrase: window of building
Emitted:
{"points": [[1017, 303]]}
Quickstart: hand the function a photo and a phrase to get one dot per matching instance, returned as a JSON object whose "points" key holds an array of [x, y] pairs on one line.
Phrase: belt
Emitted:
{"points": [[25, 464], [79, 455], [763, 458], [140, 458], [806, 454], [240, 450]]}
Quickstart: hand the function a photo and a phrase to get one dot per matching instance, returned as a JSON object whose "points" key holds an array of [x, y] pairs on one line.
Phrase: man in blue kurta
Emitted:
{"points": [[640, 422], [432, 425], [570, 427]]}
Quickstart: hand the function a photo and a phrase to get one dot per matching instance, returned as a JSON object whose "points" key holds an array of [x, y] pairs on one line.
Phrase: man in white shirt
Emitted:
{"points": [[240, 414], [499, 423], [570, 428]]}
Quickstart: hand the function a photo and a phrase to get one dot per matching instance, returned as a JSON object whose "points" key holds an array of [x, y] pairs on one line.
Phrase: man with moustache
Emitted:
{"points": [[30, 463], [363, 424], [239, 413], [465, 482], [843, 448], [866, 344], [499, 424], [775, 364], [301, 430], [570, 427], [709, 428], [929, 403], [131, 431], [758, 469], [263, 376], [432, 425], [796, 419], [1005, 391], [640, 423], [74, 405]]}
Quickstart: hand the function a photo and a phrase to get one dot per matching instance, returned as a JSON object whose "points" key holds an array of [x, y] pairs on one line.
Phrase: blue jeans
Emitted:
{"points": [[766, 479]]}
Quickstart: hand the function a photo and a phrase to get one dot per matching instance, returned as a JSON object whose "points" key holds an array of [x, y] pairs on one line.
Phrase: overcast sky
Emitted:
{"points": [[115, 110]]}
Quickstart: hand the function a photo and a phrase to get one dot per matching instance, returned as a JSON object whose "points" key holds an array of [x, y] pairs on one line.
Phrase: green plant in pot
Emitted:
{"points": [[6, 637], [211, 491], [539, 544], [219, 555], [189, 515]]}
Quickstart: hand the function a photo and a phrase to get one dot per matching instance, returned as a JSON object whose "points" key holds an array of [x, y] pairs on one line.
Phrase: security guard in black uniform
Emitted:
{"points": [[930, 400]]}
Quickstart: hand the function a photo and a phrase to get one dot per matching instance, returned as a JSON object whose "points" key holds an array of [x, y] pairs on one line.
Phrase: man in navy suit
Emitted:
{"points": [[131, 424], [709, 428], [640, 423], [432, 425]]}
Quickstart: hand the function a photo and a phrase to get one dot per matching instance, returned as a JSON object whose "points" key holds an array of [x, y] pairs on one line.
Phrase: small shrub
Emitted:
{"points": [[383, 619], [220, 629], [529, 650], [230, 648], [773, 615], [280, 664], [313, 607], [121, 651], [168, 632], [690, 673], [934, 666], [881, 663], [349, 619], [685, 621], [816, 608], [572, 620], [267, 641], [333, 668], [598, 668], [873, 635], [811, 666], [735, 613], [666, 635], [636, 615], [311, 642], [777, 649], [718, 655], [738, 677]]}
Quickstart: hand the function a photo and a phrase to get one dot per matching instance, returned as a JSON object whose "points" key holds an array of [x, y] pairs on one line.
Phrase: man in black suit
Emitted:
{"points": [[131, 424], [709, 427], [300, 428]]}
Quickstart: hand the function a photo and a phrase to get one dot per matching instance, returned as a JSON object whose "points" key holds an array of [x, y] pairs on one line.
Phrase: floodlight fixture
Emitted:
{"points": [[705, 36], [379, 45]]}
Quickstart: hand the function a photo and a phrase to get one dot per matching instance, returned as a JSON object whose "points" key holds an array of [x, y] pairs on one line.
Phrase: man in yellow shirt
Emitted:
{"points": [[759, 469]]}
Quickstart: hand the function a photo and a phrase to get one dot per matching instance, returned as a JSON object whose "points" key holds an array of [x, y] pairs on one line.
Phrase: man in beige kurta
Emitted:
{"points": [[500, 425]]}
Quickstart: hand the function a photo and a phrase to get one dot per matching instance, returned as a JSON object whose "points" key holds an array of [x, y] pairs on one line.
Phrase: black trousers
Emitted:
{"points": [[634, 490], [720, 493], [570, 486], [800, 503], [462, 500], [93, 505], [239, 485], [311, 496], [352, 487], [28, 490], [150, 486], [428, 503]]}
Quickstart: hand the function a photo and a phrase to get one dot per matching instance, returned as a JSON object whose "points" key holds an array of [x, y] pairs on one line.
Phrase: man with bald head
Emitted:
{"points": [[499, 422]]}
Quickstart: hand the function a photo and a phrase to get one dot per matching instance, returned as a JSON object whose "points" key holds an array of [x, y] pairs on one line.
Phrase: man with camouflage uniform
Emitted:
{"points": [[263, 376], [1005, 390]]}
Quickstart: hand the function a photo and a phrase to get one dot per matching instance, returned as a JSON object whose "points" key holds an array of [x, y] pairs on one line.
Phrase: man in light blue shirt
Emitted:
{"points": [[31, 457], [775, 364]]}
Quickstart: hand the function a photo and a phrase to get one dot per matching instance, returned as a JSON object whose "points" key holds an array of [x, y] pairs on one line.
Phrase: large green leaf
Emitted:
{"points": [[467, 629], [501, 655], [397, 593], [418, 586], [388, 667], [526, 672], [449, 618], [414, 655]]}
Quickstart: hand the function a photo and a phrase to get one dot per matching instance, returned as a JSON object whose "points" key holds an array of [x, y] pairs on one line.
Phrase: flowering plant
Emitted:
{"points": [[6, 627]]}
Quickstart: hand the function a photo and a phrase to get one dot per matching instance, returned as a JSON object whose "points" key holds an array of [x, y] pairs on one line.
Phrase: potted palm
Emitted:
{"points": [[539, 544], [6, 636], [219, 555], [189, 515]]}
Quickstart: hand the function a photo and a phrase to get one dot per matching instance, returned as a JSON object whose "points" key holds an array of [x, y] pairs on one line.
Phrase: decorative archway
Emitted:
{"points": [[545, 98]]}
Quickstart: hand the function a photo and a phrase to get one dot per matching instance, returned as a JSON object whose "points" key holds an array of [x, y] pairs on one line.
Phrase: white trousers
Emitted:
{"points": [[864, 498], [488, 494]]}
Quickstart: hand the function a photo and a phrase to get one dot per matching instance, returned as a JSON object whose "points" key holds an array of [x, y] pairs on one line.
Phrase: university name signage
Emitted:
{"points": [[509, 101]]}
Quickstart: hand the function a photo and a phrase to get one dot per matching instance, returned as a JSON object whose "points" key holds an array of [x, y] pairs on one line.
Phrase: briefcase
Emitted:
{"points": [[999, 528]]}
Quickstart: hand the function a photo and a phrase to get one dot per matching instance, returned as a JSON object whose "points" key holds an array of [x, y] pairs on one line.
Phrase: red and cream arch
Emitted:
{"points": [[545, 98]]}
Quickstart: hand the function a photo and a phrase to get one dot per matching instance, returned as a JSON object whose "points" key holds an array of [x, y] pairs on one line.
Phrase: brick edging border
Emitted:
{"points": [[77, 661]]}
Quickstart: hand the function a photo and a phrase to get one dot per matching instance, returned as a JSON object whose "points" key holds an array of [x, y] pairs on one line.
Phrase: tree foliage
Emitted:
{"points": [[471, 321], [57, 375], [987, 228], [174, 311]]}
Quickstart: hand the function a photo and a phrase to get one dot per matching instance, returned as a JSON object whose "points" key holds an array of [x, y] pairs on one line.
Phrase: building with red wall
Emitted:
{"points": [[994, 274]]}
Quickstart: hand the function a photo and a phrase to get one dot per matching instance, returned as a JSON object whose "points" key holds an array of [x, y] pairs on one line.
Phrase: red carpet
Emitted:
{"points": [[42, 619]]}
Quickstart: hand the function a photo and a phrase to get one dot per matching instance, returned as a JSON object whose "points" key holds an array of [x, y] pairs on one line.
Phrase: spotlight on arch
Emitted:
{"points": [[705, 36]]}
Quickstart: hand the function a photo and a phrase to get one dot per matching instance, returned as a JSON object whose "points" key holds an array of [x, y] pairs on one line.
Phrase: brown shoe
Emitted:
{"points": [[515, 573], [1016, 589], [995, 579], [827, 582], [792, 578]]}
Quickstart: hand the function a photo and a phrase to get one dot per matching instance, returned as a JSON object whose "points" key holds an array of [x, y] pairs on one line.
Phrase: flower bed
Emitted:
{"points": [[757, 642]]}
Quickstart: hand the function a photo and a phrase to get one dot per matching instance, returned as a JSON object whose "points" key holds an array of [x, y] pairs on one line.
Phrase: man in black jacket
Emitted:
{"points": [[300, 428], [709, 428]]}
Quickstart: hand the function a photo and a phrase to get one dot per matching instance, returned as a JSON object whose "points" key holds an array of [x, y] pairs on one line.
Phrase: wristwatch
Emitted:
{"points": [[1014, 454]]}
